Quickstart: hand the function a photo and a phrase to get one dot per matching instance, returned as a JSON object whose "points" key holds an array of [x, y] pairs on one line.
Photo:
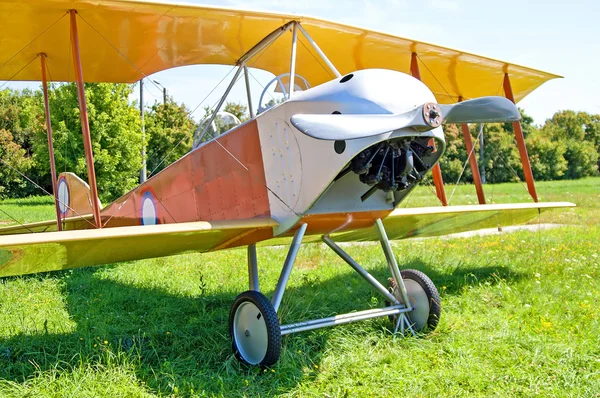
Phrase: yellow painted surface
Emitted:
{"points": [[121, 41], [51, 251], [437, 221]]}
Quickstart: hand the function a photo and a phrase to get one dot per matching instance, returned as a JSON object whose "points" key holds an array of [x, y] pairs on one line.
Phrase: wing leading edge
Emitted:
{"points": [[52, 251], [437, 221]]}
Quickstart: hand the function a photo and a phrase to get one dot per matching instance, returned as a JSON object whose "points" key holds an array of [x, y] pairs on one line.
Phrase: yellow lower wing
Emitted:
{"points": [[50, 251], [437, 221]]}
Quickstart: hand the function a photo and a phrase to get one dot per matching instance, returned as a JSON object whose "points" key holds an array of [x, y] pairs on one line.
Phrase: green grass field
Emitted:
{"points": [[519, 317]]}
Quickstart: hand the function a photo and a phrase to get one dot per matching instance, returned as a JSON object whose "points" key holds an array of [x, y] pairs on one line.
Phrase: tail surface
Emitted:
{"points": [[74, 197]]}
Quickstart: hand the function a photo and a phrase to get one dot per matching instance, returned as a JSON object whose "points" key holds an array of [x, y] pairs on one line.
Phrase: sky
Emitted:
{"points": [[553, 35]]}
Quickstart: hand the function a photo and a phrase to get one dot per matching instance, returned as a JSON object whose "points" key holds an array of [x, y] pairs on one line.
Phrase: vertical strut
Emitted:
{"points": [[85, 126], [248, 92], [391, 260], [472, 161], [50, 144], [287, 266], [521, 143], [293, 59], [436, 171], [143, 171], [253, 268], [319, 51]]}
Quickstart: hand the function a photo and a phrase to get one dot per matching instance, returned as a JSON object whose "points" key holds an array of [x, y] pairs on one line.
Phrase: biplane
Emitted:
{"points": [[358, 129]]}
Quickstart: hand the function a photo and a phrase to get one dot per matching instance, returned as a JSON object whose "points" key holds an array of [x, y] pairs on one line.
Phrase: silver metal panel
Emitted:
{"points": [[313, 164]]}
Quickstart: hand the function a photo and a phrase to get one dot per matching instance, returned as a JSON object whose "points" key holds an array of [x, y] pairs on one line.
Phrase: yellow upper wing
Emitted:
{"points": [[123, 40]]}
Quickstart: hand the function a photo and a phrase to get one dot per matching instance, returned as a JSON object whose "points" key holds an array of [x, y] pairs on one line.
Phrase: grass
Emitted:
{"points": [[520, 317]]}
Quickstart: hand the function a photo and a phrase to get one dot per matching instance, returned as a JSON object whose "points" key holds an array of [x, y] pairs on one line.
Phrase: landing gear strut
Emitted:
{"points": [[412, 302]]}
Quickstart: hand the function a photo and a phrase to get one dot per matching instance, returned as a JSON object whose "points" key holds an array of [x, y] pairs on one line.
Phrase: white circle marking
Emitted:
{"points": [[148, 212], [63, 196]]}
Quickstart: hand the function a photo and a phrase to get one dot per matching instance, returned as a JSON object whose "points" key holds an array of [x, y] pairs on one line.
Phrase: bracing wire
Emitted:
{"points": [[436, 79], [15, 220], [34, 39], [465, 164], [40, 187]]}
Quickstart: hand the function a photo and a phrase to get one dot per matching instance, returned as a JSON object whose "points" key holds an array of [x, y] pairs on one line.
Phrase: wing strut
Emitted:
{"points": [[521, 143], [50, 144], [473, 160], [438, 181], [85, 126]]}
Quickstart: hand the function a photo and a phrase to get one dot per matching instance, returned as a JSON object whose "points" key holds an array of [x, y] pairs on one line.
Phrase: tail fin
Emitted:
{"points": [[74, 197]]}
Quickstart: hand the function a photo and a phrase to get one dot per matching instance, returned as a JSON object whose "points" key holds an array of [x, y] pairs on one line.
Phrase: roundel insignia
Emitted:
{"points": [[63, 196], [149, 213]]}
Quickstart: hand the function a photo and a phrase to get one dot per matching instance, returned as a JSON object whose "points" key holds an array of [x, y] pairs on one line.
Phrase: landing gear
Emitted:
{"points": [[423, 297], [413, 303], [254, 329]]}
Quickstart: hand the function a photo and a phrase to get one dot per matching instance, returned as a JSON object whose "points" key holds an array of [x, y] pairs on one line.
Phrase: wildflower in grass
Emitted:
{"points": [[546, 325], [316, 366], [272, 370], [105, 342], [167, 333], [95, 345], [246, 381], [299, 351]]}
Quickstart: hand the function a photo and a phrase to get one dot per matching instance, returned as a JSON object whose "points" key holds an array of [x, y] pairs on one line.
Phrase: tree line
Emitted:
{"points": [[566, 146]]}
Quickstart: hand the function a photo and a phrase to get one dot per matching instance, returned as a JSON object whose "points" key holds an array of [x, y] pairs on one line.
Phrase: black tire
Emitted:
{"points": [[265, 313], [433, 297]]}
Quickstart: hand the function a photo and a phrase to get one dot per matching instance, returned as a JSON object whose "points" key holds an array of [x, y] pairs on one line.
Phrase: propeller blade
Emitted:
{"points": [[424, 117], [351, 127], [481, 110]]}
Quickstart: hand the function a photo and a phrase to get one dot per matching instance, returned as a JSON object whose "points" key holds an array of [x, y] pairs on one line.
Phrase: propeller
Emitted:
{"points": [[422, 118]]}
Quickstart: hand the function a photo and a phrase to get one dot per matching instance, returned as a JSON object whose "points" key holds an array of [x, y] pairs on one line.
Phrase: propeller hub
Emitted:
{"points": [[432, 114]]}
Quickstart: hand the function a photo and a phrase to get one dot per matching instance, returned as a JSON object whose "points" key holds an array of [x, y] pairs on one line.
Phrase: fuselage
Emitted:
{"points": [[268, 168]]}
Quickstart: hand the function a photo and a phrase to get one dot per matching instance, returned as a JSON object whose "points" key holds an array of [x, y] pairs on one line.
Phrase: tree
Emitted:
{"points": [[21, 114], [574, 129], [454, 157], [502, 162], [546, 157], [13, 162], [238, 110], [115, 133], [170, 129]]}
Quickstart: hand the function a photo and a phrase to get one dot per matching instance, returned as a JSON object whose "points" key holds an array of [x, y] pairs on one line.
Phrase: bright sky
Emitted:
{"points": [[552, 35]]}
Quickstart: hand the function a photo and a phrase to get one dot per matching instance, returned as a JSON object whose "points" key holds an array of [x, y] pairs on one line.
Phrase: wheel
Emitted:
{"points": [[423, 297], [254, 329]]}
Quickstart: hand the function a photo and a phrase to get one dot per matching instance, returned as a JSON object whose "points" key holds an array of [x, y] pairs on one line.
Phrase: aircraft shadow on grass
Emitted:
{"points": [[189, 335]]}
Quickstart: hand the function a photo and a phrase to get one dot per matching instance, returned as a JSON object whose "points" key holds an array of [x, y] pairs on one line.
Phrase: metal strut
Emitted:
{"points": [[400, 307], [287, 266], [253, 268], [395, 271]]}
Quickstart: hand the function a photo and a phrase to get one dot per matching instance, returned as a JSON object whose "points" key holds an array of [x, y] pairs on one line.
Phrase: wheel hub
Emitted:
{"points": [[250, 333]]}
